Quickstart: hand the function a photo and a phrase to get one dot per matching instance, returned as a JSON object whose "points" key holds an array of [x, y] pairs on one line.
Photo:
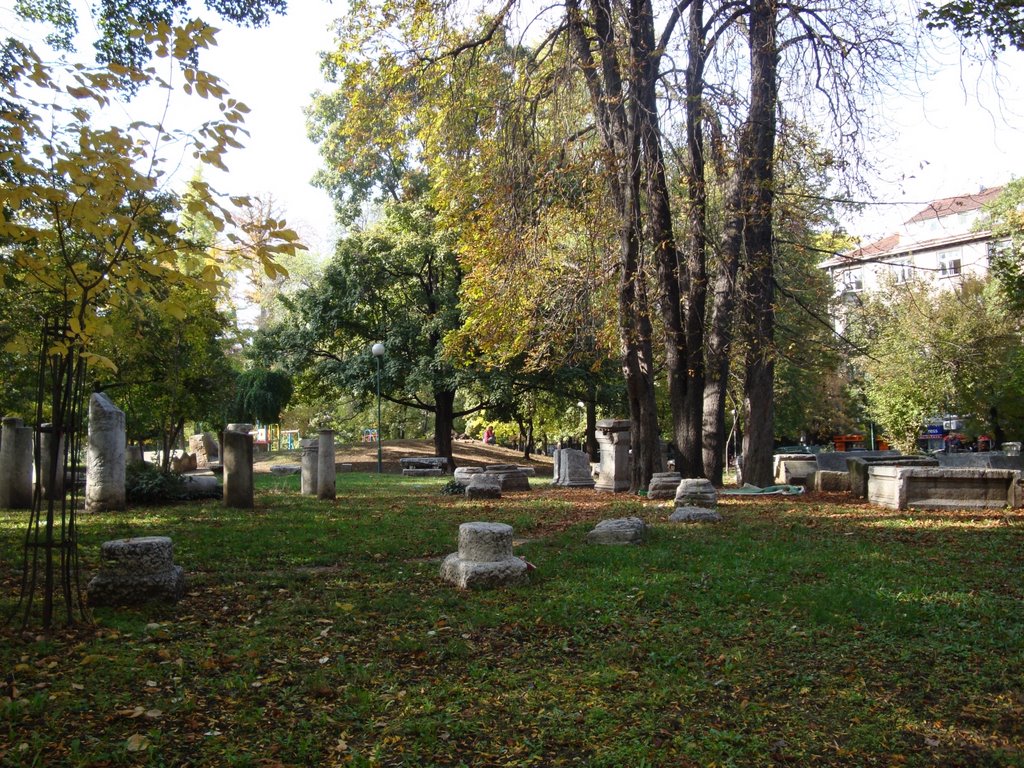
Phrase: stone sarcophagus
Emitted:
{"points": [[899, 487]]}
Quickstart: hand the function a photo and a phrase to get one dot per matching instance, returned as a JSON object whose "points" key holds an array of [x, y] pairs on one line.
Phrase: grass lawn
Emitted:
{"points": [[803, 632]]}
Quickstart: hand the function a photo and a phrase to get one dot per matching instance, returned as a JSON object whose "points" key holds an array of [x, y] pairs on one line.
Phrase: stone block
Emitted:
{"points": [[827, 481], [463, 475], [695, 515], [326, 473], [286, 469], [484, 485], [613, 440], [623, 530], [431, 472], [310, 465], [16, 459], [238, 480], [835, 461], [857, 468], [425, 462], [574, 470]]}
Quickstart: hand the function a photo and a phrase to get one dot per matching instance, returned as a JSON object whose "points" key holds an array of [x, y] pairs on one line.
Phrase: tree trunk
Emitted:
{"points": [[590, 445], [759, 278], [444, 424], [616, 115]]}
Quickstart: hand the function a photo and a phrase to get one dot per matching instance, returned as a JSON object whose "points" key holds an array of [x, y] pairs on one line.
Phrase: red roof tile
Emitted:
{"points": [[948, 206]]}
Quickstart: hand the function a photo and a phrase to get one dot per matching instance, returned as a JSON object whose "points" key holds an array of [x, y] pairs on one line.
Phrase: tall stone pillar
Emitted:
{"points": [[238, 486], [310, 459], [15, 464], [325, 480], [613, 440], [47, 458], [105, 464]]}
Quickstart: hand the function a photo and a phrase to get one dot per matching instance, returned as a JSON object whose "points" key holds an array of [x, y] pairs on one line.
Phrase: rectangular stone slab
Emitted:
{"points": [[943, 488]]}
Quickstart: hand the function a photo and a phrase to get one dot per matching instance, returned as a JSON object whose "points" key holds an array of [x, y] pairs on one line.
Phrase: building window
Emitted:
{"points": [[903, 270], [949, 263], [998, 248], [853, 281]]}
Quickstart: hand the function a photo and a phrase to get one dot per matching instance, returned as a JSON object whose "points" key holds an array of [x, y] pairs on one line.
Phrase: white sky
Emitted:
{"points": [[953, 133]]}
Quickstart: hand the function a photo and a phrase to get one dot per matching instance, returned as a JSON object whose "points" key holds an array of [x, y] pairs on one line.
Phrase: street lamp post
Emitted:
{"points": [[378, 352]]}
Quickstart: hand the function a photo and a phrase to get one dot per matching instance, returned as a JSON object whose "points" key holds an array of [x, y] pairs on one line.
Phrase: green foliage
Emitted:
{"points": [[395, 282], [930, 352], [149, 484], [86, 225], [1001, 22], [453, 488], [261, 395], [1004, 219]]}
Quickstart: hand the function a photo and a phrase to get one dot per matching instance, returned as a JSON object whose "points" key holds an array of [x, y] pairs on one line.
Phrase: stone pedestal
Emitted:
{"points": [[484, 559], [49, 455], [238, 483], [105, 463], [134, 571], [310, 465], [16, 452], [613, 439], [326, 475]]}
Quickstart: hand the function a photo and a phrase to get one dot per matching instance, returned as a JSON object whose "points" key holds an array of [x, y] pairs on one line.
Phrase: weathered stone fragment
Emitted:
{"points": [[663, 485], [695, 515], [696, 492], [624, 530], [134, 571], [463, 475], [485, 485]]}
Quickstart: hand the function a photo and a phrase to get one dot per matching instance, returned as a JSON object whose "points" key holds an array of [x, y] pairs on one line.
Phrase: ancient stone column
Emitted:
{"points": [[15, 464], [613, 439], [310, 459], [46, 449], [104, 474], [325, 479], [238, 488]]}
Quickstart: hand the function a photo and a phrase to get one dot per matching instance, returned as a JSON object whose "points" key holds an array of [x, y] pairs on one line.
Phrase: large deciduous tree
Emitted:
{"points": [[395, 282]]}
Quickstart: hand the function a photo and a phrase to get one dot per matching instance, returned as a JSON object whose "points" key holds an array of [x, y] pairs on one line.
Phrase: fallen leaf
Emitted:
{"points": [[137, 743]]}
